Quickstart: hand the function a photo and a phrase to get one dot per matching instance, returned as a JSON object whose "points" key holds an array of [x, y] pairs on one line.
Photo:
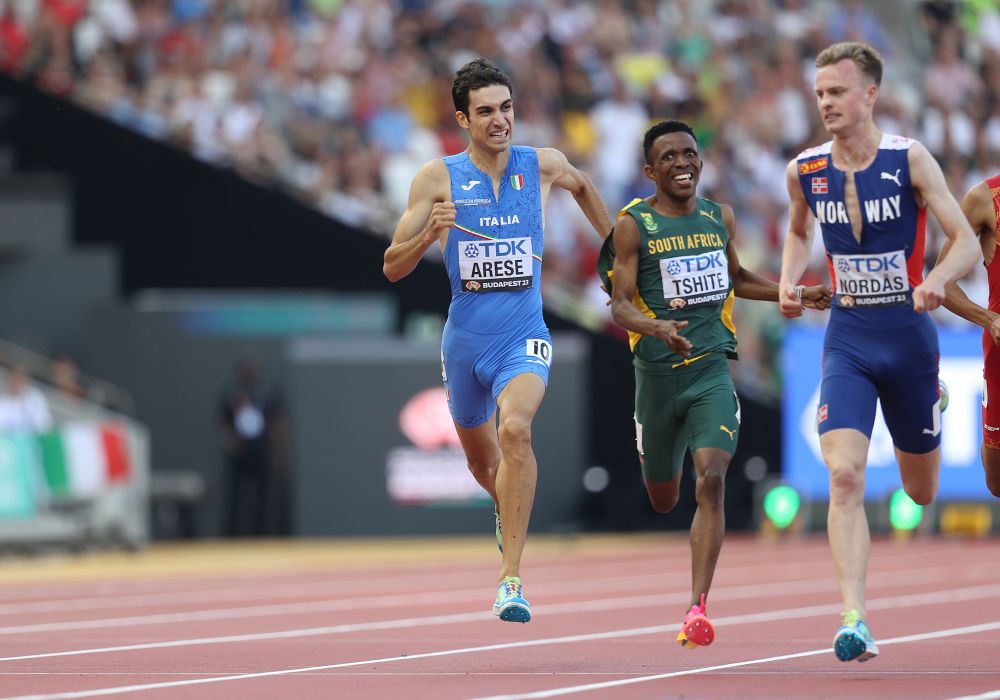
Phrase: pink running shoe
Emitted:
{"points": [[697, 630]]}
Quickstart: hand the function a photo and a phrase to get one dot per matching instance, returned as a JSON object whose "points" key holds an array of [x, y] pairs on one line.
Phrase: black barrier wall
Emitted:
{"points": [[367, 466]]}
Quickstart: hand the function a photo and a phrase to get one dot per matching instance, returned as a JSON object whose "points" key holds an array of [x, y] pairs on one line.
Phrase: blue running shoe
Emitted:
{"points": [[496, 512], [510, 605], [853, 640]]}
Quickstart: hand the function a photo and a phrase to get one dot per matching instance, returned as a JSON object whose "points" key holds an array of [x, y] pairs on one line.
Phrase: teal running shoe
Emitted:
{"points": [[942, 395], [510, 605], [496, 512], [853, 640]]}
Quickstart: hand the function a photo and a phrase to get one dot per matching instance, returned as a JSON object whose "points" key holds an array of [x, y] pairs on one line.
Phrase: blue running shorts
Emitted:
{"points": [[475, 367], [896, 365]]}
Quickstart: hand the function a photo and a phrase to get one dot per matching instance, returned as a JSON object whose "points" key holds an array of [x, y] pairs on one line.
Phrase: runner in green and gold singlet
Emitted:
{"points": [[672, 271], [683, 275]]}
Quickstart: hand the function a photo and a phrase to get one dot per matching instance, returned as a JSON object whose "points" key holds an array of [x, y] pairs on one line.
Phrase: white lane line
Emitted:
{"points": [[739, 552], [656, 580], [896, 579], [604, 576], [97, 692], [617, 634], [568, 690], [982, 696], [114, 595], [109, 597], [574, 607], [945, 596]]}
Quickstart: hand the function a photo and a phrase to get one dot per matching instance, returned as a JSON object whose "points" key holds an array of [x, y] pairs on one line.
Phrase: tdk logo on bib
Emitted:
{"points": [[695, 280], [696, 263], [879, 279], [870, 263], [495, 266]]}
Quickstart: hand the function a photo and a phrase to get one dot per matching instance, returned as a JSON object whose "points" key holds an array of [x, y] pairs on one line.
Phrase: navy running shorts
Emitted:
{"points": [[895, 365]]}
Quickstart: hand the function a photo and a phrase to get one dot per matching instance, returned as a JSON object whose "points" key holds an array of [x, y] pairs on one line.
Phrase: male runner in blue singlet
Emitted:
{"points": [[870, 192], [484, 208]]}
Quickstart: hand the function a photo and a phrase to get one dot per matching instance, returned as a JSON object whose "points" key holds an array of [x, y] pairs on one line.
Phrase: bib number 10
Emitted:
{"points": [[542, 349]]}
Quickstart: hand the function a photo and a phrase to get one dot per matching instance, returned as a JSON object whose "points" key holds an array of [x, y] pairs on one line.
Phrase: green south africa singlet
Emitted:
{"points": [[683, 275]]}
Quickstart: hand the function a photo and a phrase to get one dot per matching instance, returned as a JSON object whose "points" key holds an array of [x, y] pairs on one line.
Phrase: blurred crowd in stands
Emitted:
{"points": [[26, 408], [339, 102]]}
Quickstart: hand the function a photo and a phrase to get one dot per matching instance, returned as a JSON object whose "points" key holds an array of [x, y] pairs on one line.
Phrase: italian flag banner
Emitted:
{"points": [[83, 459]]}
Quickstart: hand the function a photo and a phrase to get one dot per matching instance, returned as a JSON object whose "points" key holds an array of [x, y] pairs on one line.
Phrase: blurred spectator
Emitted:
{"points": [[619, 123], [852, 20], [949, 82], [66, 378], [937, 17], [254, 441], [14, 39], [23, 407]]}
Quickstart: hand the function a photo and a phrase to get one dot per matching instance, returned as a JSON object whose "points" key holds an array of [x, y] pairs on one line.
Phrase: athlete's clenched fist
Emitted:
{"points": [[441, 220]]}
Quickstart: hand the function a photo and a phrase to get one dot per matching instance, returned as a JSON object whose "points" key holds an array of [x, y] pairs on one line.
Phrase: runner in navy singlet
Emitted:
{"points": [[869, 192], [484, 208]]}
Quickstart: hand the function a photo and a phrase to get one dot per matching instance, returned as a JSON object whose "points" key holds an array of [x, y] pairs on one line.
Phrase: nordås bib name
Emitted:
{"points": [[878, 279]]}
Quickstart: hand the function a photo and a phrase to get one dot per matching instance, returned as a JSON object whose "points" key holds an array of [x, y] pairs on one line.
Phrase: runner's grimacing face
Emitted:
{"points": [[844, 95], [491, 117], [675, 165]]}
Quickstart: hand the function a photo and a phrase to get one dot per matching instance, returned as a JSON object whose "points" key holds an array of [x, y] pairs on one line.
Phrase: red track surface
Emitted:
{"points": [[602, 616]]}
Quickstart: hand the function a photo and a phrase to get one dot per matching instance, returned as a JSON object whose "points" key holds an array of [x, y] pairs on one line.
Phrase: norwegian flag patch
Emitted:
{"points": [[819, 185]]}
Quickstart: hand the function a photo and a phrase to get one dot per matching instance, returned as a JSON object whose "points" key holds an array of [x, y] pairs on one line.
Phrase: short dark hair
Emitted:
{"points": [[659, 129], [477, 73], [866, 58]]}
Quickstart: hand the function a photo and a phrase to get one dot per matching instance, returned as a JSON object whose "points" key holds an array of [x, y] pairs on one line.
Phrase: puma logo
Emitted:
{"points": [[708, 215], [894, 178], [473, 183], [727, 431]]}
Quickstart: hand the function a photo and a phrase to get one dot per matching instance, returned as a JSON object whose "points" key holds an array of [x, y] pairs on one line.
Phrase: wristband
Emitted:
{"points": [[798, 291]]}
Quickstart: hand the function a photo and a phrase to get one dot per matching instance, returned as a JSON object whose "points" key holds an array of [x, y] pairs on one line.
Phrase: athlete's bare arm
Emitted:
{"points": [[626, 271], [798, 243], [750, 285], [931, 189], [555, 169], [428, 217], [977, 205]]}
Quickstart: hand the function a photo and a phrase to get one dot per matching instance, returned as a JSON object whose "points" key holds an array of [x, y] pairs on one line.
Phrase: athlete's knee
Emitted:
{"points": [[847, 482], [993, 476], [515, 435], [993, 482], [662, 498], [922, 494], [483, 467], [710, 489], [991, 464]]}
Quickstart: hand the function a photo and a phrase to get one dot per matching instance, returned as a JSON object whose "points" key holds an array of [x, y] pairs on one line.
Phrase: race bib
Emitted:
{"points": [[695, 280], [876, 279], [495, 266], [539, 350]]}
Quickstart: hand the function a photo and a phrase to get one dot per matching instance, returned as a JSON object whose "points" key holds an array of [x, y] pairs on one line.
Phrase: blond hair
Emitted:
{"points": [[866, 58]]}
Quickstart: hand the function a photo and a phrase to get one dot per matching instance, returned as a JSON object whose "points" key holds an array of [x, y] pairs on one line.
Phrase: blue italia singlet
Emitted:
{"points": [[493, 256], [876, 346]]}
